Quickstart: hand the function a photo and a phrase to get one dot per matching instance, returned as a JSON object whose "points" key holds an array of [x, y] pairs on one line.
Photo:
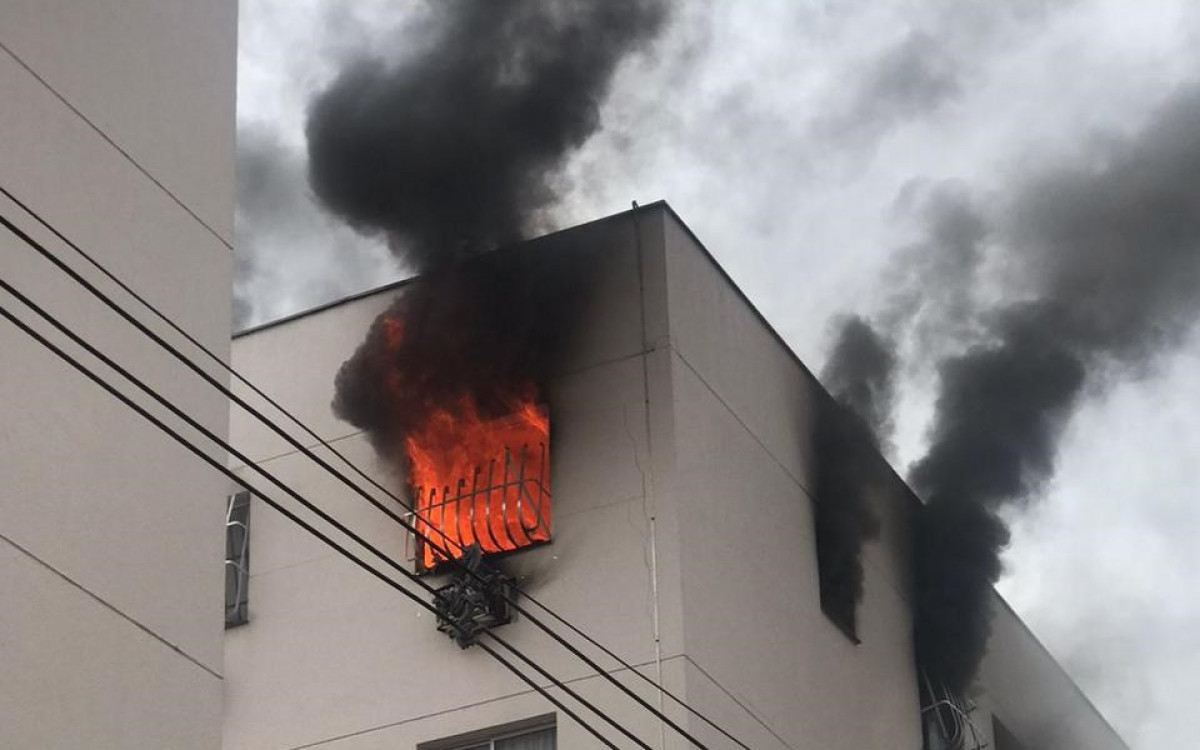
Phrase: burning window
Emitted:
{"points": [[480, 481], [448, 390]]}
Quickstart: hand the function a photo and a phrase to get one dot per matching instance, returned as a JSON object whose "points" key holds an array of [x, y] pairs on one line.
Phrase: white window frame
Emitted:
{"points": [[490, 742]]}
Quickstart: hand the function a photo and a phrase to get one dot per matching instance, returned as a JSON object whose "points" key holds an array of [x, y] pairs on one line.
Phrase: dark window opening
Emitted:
{"points": [[237, 559], [843, 470]]}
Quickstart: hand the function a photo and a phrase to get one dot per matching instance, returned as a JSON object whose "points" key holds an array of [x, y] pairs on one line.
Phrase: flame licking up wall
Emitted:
{"points": [[448, 385], [474, 478], [448, 154]]}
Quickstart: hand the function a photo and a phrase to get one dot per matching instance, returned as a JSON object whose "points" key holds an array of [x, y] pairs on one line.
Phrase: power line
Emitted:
{"points": [[324, 516], [323, 464], [163, 317], [370, 480], [112, 390], [309, 454], [341, 477]]}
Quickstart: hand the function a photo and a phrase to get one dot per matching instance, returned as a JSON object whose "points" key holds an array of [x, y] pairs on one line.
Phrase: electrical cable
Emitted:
{"points": [[373, 501], [362, 474], [529, 681], [324, 516], [163, 317], [308, 453]]}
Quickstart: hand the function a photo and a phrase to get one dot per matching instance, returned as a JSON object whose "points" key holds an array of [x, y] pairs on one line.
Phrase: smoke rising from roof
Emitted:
{"points": [[1104, 269], [933, 318], [907, 80], [451, 153], [860, 374], [455, 151]]}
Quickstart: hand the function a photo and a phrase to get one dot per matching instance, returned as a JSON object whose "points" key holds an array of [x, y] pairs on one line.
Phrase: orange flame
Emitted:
{"points": [[480, 481], [474, 479]]}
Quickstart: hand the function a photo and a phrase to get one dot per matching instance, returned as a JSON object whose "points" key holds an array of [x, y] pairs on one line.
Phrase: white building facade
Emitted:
{"points": [[683, 539], [117, 129]]}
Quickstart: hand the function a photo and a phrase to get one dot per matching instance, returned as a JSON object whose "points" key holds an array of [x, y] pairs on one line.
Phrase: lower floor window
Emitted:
{"points": [[528, 739]]}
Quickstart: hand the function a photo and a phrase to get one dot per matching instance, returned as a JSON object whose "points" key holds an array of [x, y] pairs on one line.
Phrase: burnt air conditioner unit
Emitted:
{"points": [[477, 599]]}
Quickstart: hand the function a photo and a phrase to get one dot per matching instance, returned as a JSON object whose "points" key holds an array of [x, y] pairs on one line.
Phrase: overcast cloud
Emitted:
{"points": [[820, 149]]}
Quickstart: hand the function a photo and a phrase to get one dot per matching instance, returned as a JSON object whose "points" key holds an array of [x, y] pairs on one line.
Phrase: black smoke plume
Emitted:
{"points": [[861, 374], [488, 329], [449, 154], [1107, 259], [455, 151], [849, 430]]}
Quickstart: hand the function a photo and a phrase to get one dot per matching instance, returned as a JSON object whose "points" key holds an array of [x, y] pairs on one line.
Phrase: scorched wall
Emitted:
{"points": [[683, 535]]}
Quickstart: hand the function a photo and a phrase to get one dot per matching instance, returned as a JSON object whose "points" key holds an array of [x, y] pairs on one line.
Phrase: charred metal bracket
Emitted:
{"points": [[475, 601]]}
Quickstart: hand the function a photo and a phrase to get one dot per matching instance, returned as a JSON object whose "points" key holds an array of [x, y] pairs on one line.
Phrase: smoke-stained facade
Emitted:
{"points": [[450, 153], [849, 431], [1083, 274], [453, 150], [685, 512]]}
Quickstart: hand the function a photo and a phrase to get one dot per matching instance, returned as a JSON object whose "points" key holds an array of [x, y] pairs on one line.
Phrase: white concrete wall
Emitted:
{"points": [[744, 408], [742, 427], [332, 656], [1033, 697], [681, 459], [640, 431], [118, 129]]}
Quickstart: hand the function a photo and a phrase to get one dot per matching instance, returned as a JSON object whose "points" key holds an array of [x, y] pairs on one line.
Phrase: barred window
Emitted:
{"points": [[237, 559]]}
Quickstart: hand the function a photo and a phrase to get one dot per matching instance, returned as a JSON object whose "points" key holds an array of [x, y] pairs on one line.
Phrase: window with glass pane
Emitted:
{"points": [[539, 739], [237, 559]]}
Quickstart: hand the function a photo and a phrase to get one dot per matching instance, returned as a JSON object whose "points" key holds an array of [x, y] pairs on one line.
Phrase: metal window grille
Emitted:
{"points": [[237, 559], [947, 719], [504, 507]]}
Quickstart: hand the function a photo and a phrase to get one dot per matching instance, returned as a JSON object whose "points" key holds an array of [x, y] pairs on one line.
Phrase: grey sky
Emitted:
{"points": [[810, 145]]}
